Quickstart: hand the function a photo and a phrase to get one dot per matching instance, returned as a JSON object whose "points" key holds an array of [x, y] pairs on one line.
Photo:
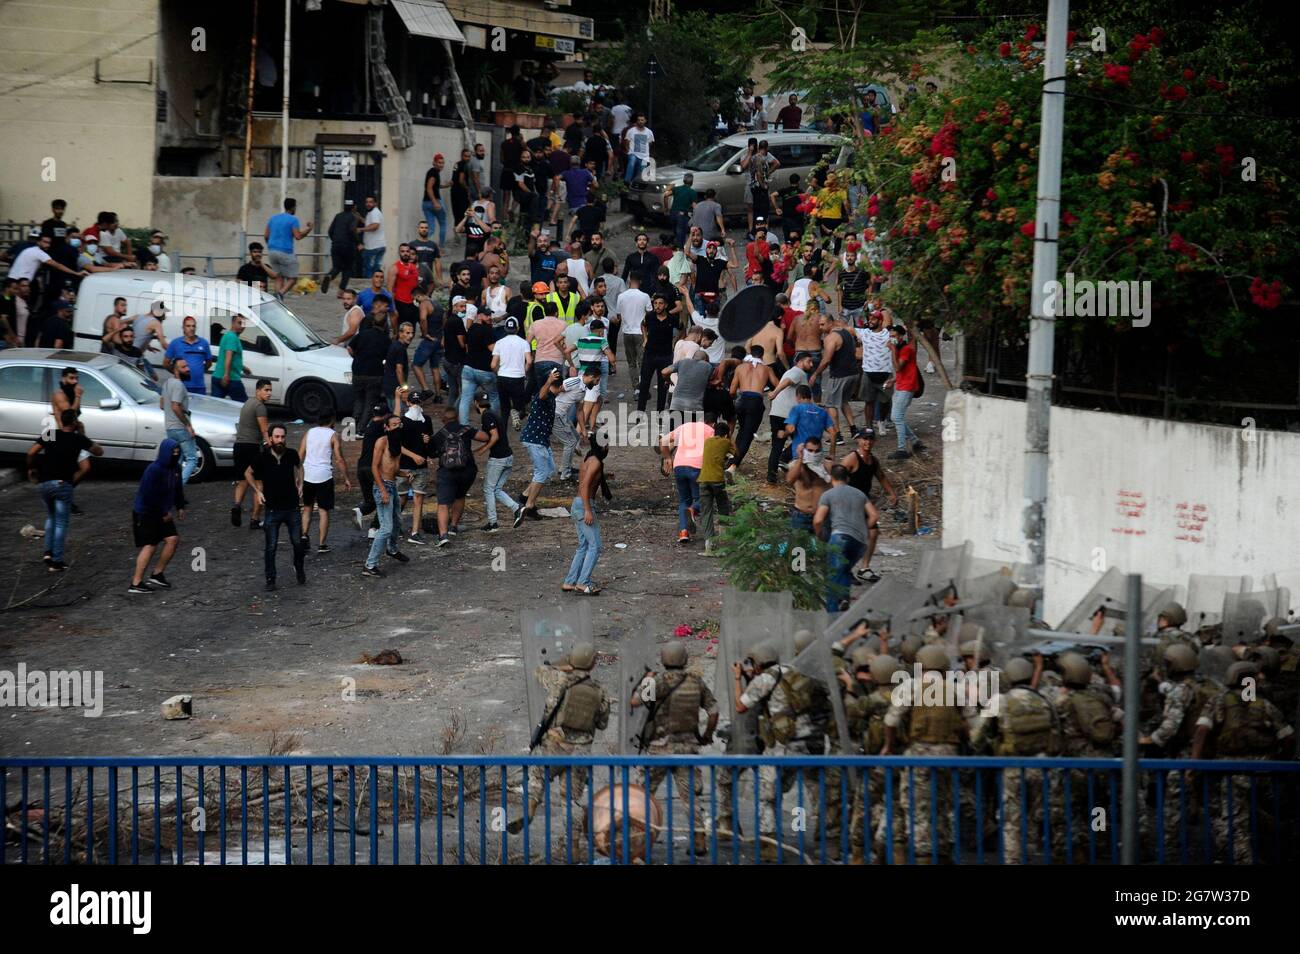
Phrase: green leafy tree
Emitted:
{"points": [[762, 553]]}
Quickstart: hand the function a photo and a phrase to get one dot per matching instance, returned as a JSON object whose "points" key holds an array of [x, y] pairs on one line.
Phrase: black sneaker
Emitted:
{"points": [[533, 514], [918, 447], [56, 566], [254, 525], [400, 557], [236, 516], [136, 589], [898, 455], [77, 511], [270, 585], [157, 579], [489, 527], [373, 571], [443, 540], [417, 540], [325, 285], [324, 548], [519, 517], [302, 576]]}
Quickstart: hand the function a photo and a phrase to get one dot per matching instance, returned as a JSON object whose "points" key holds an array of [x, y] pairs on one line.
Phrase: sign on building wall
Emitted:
{"points": [[556, 44], [338, 164]]}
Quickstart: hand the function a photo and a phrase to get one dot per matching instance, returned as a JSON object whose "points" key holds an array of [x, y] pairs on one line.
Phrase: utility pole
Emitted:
{"points": [[248, 131], [1042, 326], [1129, 775], [284, 106], [652, 70]]}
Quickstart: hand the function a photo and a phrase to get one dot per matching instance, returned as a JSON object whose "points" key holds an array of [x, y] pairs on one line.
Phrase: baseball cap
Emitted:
{"points": [[866, 432], [348, 202], [481, 397], [379, 410], [512, 324], [457, 300]]}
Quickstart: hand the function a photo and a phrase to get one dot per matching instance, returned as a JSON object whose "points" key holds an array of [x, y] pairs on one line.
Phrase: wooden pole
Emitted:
{"points": [[248, 127]]}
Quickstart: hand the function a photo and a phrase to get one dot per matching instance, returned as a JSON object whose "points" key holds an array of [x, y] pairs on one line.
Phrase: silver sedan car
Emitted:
{"points": [[120, 407]]}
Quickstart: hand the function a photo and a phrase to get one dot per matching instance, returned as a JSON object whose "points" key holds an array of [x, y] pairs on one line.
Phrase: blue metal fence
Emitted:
{"points": [[734, 810]]}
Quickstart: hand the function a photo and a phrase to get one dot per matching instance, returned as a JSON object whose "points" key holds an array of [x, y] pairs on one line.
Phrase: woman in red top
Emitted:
{"points": [[404, 275], [907, 381]]}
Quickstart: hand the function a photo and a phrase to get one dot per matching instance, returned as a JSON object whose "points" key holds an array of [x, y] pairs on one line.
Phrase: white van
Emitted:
{"points": [[307, 374]]}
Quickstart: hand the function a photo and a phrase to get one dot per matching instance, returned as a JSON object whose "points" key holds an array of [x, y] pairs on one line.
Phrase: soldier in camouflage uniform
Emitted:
{"points": [[1169, 631], [866, 705], [742, 739], [1285, 688], [576, 709], [1020, 723], [789, 721], [1242, 727], [978, 670], [833, 823], [675, 699], [932, 730], [1183, 703], [1090, 722]]}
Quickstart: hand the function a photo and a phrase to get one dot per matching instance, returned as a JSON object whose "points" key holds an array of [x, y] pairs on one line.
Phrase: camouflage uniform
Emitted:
{"points": [[992, 678], [670, 738], [866, 716], [559, 740], [1174, 735], [1022, 723], [1076, 742], [1150, 703], [1253, 731], [933, 730], [742, 740], [767, 694]]}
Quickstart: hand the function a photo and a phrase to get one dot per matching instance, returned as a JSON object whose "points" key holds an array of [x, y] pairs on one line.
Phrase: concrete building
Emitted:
{"points": [[140, 107]]}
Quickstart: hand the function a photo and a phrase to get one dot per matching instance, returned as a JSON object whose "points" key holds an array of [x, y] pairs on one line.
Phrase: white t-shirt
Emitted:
{"points": [[718, 350], [782, 403], [622, 116], [575, 391], [27, 263], [578, 272], [512, 350], [876, 356], [633, 306], [111, 239], [799, 294], [375, 239], [638, 142]]}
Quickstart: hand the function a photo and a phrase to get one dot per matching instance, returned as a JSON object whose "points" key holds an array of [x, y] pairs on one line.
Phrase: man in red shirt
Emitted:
{"points": [[788, 315], [791, 115], [403, 276], [907, 382]]}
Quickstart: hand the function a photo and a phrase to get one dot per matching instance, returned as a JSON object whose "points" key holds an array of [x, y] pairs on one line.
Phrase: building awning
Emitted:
{"points": [[521, 16], [428, 18]]}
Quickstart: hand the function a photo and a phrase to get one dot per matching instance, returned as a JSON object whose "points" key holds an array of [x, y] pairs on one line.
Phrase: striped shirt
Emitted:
{"points": [[590, 347]]}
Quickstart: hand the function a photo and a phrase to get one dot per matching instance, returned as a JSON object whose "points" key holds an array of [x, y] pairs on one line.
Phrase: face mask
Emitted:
{"points": [[156, 249], [75, 243], [92, 248]]}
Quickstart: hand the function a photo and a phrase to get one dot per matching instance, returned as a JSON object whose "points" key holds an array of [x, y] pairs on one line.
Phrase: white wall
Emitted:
{"points": [[1164, 499]]}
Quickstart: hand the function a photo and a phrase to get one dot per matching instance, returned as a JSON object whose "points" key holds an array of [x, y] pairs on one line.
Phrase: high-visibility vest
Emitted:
{"points": [[534, 311], [566, 313]]}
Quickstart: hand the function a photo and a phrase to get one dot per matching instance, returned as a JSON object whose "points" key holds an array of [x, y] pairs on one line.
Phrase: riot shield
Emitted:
{"points": [[877, 605], [638, 654], [1110, 594], [816, 663], [990, 588], [1244, 613], [548, 634], [749, 619], [940, 568], [1214, 662], [1005, 628], [1205, 594], [815, 621]]}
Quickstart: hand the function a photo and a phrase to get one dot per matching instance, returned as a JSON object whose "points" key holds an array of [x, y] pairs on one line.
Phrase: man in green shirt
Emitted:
{"points": [[593, 349], [680, 202], [713, 482], [228, 375]]}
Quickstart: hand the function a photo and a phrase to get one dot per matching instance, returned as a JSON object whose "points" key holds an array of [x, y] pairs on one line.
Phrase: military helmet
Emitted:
{"points": [[1266, 658], [1118, 629], [583, 655], [1180, 658], [673, 655], [1022, 598], [1272, 629], [883, 668], [1075, 670], [1174, 614], [803, 639], [909, 647], [1217, 659], [763, 654], [933, 657], [1239, 671], [975, 647], [1018, 670], [861, 657]]}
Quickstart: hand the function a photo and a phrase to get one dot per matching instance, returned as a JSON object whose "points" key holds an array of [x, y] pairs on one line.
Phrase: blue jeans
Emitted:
{"points": [[292, 521], [898, 414], [543, 462], [389, 518], [688, 493], [372, 259], [801, 521], [588, 552], [842, 554], [438, 215], [494, 486], [57, 495], [634, 166], [681, 225], [471, 380], [189, 452], [235, 392]]}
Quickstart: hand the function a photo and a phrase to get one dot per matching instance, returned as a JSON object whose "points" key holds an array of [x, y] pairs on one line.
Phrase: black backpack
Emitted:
{"points": [[455, 456]]}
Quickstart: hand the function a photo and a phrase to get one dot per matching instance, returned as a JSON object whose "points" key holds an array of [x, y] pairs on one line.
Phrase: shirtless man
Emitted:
{"points": [[384, 464], [748, 382], [806, 331], [810, 478], [113, 325], [863, 467], [67, 396], [353, 316]]}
